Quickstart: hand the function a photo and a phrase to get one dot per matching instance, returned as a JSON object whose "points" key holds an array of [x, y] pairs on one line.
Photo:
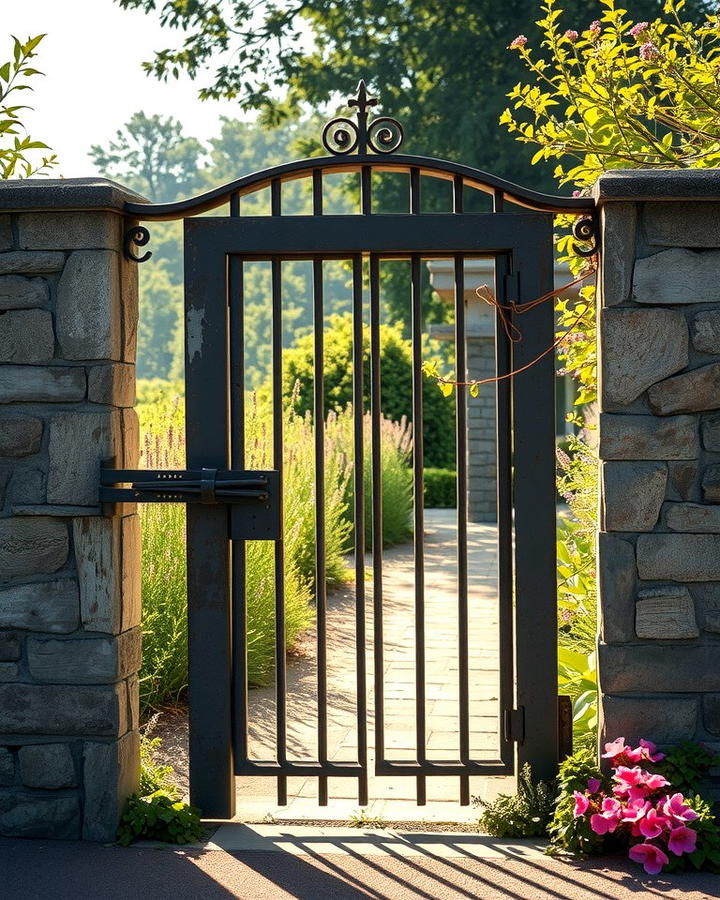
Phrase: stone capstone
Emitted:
{"points": [[33, 816], [32, 546], [669, 719], [711, 484], [640, 347], [96, 660], [679, 557], [52, 606], [78, 444], [677, 276], [9, 647], [29, 262], [666, 613], [17, 292], [692, 392], [26, 336], [64, 710], [706, 331], [88, 316], [41, 384], [110, 774], [693, 518], [633, 494], [7, 767], [617, 575], [648, 437], [20, 435], [48, 766]]}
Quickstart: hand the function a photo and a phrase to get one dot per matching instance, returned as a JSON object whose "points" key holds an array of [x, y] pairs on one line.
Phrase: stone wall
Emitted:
{"points": [[659, 439], [69, 575]]}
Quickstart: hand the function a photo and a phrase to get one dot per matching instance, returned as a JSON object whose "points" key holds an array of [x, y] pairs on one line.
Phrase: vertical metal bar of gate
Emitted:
{"points": [[208, 558], [533, 397]]}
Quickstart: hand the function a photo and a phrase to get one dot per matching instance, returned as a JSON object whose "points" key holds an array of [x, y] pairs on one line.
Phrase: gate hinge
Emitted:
{"points": [[514, 724], [512, 288]]}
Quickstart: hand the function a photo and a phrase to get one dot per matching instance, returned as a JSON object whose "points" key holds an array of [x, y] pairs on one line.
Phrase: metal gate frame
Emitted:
{"points": [[225, 501]]}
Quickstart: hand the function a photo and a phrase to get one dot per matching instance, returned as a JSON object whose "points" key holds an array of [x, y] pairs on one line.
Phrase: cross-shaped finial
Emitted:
{"points": [[381, 135], [362, 99]]}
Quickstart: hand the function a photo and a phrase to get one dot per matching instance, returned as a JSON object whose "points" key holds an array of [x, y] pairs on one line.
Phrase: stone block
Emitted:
{"points": [[26, 262], [92, 660], [20, 435], [27, 486], [130, 308], [133, 689], [131, 561], [17, 292], [131, 438], [9, 671], [679, 557], [648, 437], [692, 392], [52, 606], [693, 518], [112, 384], [40, 384], [669, 720], [677, 276], [666, 613], [48, 766], [681, 224], [78, 444], [88, 318], [64, 710], [710, 430], [35, 546], [633, 494], [63, 511], [26, 336], [9, 647], [618, 223], [711, 713], [683, 481], [706, 331], [658, 668], [86, 230], [98, 555], [640, 347], [6, 238], [35, 816], [617, 579], [111, 773], [711, 484], [7, 767]]}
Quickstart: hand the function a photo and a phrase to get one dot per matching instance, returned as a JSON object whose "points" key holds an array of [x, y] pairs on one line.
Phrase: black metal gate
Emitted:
{"points": [[235, 505]]}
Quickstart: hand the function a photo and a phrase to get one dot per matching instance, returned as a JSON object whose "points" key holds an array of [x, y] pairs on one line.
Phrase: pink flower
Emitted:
{"points": [[577, 194], [629, 777], [655, 782], [595, 28], [601, 824], [676, 809], [650, 751], [581, 804], [682, 840], [652, 824], [648, 50], [593, 785], [518, 42], [615, 748], [571, 35], [651, 857], [635, 810], [638, 29]]}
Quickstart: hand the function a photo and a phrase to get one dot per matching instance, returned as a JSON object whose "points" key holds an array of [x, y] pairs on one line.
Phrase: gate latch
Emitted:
{"points": [[186, 486], [514, 724]]}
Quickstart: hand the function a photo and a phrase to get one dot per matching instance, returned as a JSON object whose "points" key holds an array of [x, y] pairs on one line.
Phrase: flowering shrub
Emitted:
{"points": [[638, 807]]}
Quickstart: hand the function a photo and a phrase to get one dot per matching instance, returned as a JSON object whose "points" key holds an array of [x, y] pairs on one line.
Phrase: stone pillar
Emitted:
{"points": [[659, 440], [69, 573]]}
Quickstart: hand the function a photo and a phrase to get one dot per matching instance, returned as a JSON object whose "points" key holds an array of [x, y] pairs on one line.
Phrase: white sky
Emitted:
{"points": [[93, 80]]}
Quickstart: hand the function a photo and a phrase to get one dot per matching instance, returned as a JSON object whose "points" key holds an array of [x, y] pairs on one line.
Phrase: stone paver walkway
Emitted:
{"points": [[393, 797]]}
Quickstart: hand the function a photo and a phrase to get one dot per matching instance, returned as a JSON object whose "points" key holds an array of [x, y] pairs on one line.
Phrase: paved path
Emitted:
{"points": [[38, 870]]}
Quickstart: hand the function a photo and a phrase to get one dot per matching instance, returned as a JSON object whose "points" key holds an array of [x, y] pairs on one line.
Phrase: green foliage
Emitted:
{"points": [[706, 856], [395, 383], [154, 777], [568, 833], [577, 676], [525, 814], [440, 488], [17, 148], [159, 817], [686, 765]]}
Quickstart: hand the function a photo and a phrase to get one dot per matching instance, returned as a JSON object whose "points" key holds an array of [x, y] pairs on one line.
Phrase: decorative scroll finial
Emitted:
{"points": [[136, 236], [382, 135]]}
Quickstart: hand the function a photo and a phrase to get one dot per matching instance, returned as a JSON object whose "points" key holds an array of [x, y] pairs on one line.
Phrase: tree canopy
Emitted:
{"points": [[442, 68]]}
